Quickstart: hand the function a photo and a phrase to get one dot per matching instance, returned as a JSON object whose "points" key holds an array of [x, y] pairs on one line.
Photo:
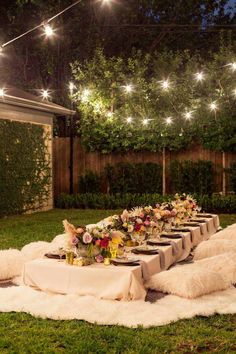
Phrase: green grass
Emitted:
{"points": [[22, 333]]}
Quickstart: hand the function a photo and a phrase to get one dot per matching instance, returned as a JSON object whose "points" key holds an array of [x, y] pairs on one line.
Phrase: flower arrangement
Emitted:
{"points": [[185, 206], [93, 244]]}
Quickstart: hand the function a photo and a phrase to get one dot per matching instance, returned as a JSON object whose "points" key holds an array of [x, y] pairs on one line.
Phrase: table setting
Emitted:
{"points": [[114, 258]]}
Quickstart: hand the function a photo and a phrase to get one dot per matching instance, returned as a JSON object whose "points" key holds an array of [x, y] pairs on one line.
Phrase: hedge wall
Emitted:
{"points": [[24, 167]]}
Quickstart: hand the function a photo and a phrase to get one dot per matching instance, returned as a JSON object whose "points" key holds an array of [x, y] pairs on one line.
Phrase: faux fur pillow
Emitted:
{"points": [[226, 234], [214, 247], [11, 263], [187, 282], [35, 250], [224, 264]]}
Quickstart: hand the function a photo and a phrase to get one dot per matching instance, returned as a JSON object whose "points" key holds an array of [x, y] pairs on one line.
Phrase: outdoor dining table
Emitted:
{"points": [[114, 282]]}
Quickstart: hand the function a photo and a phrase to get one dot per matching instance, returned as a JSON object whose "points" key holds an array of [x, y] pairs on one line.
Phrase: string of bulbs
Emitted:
{"points": [[165, 85]]}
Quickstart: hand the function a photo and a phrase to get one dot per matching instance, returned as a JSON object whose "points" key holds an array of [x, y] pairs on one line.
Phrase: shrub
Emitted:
{"points": [[214, 204], [134, 178], [89, 183], [232, 174], [191, 177]]}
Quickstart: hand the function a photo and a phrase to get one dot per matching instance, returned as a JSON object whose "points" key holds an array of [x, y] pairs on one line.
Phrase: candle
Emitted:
{"points": [[107, 261]]}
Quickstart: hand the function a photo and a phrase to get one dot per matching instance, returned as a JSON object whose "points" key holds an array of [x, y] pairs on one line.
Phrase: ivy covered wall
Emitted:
{"points": [[25, 167]]}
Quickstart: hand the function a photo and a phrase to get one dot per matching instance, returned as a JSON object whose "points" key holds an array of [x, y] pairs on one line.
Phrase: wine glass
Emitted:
{"points": [[61, 252]]}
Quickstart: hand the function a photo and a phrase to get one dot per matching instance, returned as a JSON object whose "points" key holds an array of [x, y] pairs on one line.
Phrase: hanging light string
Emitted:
{"points": [[43, 24]]}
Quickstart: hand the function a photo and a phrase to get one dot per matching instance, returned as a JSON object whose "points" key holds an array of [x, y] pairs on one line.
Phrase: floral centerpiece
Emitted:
{"points": [[185, 206], [167, 213], [93, 244]]}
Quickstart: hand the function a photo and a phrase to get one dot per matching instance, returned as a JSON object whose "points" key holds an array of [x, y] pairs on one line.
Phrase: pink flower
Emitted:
{"points": [[99, 258], [74, 240], [104, 242], [98, 242], [147, 223], [141, 215], [87, 238], [80, 230]]}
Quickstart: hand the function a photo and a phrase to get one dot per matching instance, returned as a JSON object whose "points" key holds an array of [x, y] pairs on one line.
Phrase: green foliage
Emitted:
{"points": [[134, 178], [191, 177], [25, 167], [105, 106], [232, 172], [216, 204], [89, 183]]}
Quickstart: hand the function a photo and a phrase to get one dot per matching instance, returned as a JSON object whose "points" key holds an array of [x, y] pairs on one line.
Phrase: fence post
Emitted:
{"points": [[223, 174], [164, 171]]}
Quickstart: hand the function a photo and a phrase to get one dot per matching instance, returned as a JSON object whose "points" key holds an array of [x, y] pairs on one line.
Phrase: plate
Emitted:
{"points": [[174, 236], [158, 243], [125, 261], [54, 256], [181, 230]]}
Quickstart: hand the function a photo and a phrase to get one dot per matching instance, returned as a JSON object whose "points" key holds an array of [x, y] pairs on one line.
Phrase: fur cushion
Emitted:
{"points": [[224, 264], [187, 281], [214, 247], [35, 250], [226, 234], [11, 263]]}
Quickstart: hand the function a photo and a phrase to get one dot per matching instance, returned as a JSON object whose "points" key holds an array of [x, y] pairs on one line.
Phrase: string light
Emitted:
{"points": [[234, 92], [2, 92], [48, 30], [233, 66], [129, 120], [128, 88], [110, 114], [145, 121], [45, 94], [169, 120], [199, 76], [188, 115], [165, 85], [85, 95], [213, 106], [71, 87]]}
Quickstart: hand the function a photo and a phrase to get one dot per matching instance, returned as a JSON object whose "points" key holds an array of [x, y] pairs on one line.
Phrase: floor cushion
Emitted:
{"points": [[11, 263], [214, 247], [225, 234], [187, 281], [35, 250]]}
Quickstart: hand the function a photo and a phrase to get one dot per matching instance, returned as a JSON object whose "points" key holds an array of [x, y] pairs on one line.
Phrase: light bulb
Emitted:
{"points": [[188, 115], [128, 88], [48, 30], [45, 94], [2, 92], [71, 86], [233, 66], [145, 121], [129, 119], [110, 114], [213, 106], [199, 76], [165, 85], [168, 120]]}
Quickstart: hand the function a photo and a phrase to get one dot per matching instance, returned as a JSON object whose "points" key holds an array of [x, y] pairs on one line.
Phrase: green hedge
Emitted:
{"points": [[90, 182], [217, 204], [191, 177], [134, 178], [24, 167]]}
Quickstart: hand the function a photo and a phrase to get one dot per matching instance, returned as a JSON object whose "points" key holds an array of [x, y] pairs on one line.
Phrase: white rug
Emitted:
{"points": [[130, 314]]}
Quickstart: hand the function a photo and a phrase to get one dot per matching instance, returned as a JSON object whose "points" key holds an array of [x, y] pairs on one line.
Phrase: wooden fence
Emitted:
{"points": [[96, 162]]}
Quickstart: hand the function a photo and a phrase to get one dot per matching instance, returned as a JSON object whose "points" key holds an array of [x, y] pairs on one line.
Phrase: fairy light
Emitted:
{"points": [[145, 121], [213, 106], [85, 95], [165, 84], [199, 76], [169, 120], [129, 120], [2, 92], [71, 86], [110, 114], [48, 30], [233, 66], [128, 88], [45, 94], [188, 115], [234, 92]]}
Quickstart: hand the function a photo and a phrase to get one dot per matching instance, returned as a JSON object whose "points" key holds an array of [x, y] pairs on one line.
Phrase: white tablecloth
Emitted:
{"points": [[114, 282]]}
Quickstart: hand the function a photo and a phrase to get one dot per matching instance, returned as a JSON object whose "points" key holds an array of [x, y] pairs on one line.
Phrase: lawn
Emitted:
{"points": [[21, 333]]}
